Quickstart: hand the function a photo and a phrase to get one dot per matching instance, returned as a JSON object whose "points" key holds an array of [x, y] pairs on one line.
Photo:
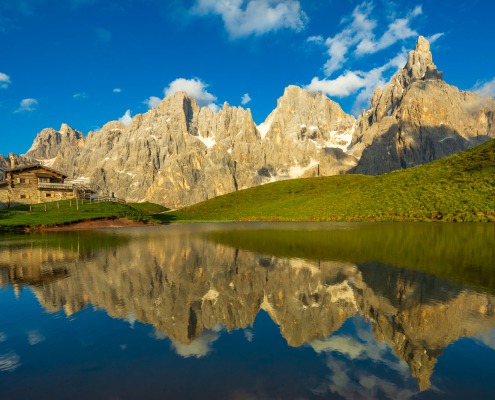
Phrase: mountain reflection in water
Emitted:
{"points": [[340, 289]]}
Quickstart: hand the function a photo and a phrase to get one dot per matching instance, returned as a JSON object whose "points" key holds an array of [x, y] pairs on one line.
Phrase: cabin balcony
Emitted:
{"points": [[55, 186]]}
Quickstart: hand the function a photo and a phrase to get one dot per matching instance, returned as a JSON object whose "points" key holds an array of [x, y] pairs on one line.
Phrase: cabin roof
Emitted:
{"points": [[31, 166]]}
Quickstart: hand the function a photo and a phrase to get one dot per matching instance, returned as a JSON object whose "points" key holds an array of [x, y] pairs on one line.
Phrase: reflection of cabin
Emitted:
{"points": [[37, 184]]}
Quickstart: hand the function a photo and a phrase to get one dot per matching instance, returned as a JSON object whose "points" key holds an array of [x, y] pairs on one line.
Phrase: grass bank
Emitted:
{"points": [[457, 188], [64, 212]]}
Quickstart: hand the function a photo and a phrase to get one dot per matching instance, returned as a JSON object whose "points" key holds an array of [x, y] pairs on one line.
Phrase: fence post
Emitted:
{"points": [[77, 204], [30, 208], [45, 206], [58, 205], [70, 203]]}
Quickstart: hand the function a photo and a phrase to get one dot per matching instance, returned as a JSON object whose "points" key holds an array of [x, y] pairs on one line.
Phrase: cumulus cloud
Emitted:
{"points": [[199, 347], [117, 90], [194, 88], [81, 95], [245, 99], [126, 119], [4, 81], [27, 105], [360, 366], [485, 88], [342, 86], [362, 83], [358, 38], [152, 101], [253, 17]]}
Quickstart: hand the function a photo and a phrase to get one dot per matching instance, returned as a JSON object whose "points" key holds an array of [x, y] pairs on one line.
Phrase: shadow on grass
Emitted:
{"points": [[164, 218]]}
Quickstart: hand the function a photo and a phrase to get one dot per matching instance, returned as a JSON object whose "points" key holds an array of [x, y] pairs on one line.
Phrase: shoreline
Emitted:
{"points": [[104, 223]]}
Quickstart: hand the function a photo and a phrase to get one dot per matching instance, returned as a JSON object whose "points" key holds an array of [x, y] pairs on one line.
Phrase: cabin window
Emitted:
{"points": [[49, 195], [24, 196], [44, 180], [22, 180]]}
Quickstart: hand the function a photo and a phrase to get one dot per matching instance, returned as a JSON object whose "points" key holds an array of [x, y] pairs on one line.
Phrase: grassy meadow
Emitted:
{"points": [[457, 188], [70, 211]]}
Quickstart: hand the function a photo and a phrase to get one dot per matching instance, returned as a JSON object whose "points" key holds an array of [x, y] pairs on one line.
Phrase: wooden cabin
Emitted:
{"points": [[35, 183]]}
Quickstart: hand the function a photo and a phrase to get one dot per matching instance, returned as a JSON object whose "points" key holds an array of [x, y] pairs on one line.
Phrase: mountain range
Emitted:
{"points": [[179, 154]]}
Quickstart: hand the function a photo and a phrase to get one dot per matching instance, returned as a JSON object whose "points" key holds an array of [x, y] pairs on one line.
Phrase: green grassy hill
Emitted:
{"points": [[457, 188], [66, 212]]}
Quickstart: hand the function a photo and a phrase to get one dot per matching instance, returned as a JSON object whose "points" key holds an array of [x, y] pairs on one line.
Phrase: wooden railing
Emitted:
{"points": [[55, 186], [104, 199]]}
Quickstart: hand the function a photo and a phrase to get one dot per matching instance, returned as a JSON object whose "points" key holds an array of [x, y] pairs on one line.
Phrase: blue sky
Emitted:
{"points": [[86, 62]]}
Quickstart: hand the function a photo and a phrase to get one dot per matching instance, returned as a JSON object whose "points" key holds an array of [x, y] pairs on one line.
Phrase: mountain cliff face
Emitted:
{"points": [[179, 154], [418, 118]]}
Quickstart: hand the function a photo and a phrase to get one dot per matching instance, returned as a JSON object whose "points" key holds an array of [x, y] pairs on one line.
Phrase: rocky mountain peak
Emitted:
{"points": [[49, 142], [419, 66], [420, 62], [67, 131], [417, 118], [422, 45]]}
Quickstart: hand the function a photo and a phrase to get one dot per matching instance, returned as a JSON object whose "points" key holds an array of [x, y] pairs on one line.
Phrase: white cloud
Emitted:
{"points": [[249, 335], [486, 88], [254, 17], [126, 119], [117, 90], [433, 38], [198, 348], [343, 86], [245, 99], [9, 362], [4, 81], [376, 361], [35, 337], [487, 338], [359, 29], [358, 38], [3, 337], [194, 88], [152, 101], [361, 82], [213, 107], [27, 105], [397, 30], [81, 95], [316, 39]]}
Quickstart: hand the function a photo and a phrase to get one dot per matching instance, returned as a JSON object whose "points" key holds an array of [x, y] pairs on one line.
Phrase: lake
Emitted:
{"points": [[250, 311]]}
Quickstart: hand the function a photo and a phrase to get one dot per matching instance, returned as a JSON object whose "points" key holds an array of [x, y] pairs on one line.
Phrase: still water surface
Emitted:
{"points": [[250, 311]]}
